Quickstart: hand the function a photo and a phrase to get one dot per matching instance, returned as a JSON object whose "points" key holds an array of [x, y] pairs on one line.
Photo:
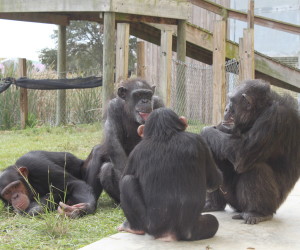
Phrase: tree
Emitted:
{"points": [[84, 48]]}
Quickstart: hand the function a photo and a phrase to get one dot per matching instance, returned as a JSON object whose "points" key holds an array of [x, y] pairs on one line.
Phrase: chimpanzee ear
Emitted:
{"points": [[153, 88], [23, 171], [140, 130], [184, 121], [122, 92], [248, 100]]}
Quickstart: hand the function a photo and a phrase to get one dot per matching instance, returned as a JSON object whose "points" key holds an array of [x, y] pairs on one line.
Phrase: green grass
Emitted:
{"points": [[51, 231]]}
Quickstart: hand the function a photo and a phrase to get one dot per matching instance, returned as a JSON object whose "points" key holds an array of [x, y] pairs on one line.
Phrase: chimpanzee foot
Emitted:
{"points": [[252, 218], [126, 228], [74, 211]]}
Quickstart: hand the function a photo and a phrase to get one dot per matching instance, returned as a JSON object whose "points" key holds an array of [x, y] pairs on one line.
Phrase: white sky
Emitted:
{"points": [[24, 39]]}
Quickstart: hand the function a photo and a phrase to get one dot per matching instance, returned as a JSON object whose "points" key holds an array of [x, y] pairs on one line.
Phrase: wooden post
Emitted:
{"points": [[181, 71], [219, 79], [61, 70], [122, 51], [141, 68], [108, 57], [241, 60], [23, 94], [165, 66], [248, 57], [250, 15]]}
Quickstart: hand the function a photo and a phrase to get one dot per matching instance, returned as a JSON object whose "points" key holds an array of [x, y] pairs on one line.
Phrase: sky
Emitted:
{"points": [[24, 39]]}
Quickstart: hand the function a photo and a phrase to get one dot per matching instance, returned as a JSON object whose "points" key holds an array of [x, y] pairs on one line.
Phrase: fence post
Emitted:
{"points": [[219, 79], [165, 66], [122, 51], [61, 70], [181, 74], [23, 94], [141, 59], [108, 58]]}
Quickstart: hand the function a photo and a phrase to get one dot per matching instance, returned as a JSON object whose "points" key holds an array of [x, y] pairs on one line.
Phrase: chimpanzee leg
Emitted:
{"points": [[132, 203], [109, 179], [206, 227], [257, 194]]}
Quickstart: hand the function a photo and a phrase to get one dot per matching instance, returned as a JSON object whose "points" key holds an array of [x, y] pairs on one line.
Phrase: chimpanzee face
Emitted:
{"points": [[138, 101], [13, 189]]}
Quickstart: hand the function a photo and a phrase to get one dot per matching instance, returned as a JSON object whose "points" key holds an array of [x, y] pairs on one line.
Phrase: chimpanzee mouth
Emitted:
{"points": [[228, 122], [144, 115]]}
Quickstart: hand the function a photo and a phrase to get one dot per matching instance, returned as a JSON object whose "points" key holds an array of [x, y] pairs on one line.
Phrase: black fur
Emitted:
{"points": [[164, 184], [260, 155]]}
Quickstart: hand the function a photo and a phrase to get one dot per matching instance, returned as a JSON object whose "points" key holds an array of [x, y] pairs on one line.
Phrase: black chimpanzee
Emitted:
{"points": [[124, 114], [259, 156], [164, 184], [40, 180]]}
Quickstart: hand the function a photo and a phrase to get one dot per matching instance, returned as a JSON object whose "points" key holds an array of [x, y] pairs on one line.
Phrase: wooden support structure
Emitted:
{"points": [[108, 58], [248, 54], [61, 69], [219, 80], [23, 94], [241, 60], [141, 67], [122, 51], [181, 71], [165, 66]]}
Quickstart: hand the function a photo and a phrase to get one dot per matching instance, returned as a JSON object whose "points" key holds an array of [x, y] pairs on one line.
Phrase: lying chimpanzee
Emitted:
{"points": [[41, 180], [164, 184], [259, 156], [125, 113]]}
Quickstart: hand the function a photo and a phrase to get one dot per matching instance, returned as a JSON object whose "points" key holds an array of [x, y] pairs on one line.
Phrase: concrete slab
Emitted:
{"points": [[282, 232]]}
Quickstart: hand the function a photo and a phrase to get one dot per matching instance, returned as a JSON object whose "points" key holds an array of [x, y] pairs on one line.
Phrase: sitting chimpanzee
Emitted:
{"points": [[259, 156], [124, 114], [40, 180], [164, 184]]}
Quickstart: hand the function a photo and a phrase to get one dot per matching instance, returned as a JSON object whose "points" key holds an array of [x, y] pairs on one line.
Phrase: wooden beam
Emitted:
{"points": [[121, 17], [108, 58], [165, 66], [23, 94], [141, 68], [219, 80], [50, 18], [248, 57], [242, 16], [122, 51], [61, 69], [250, 15], [241, 60]]}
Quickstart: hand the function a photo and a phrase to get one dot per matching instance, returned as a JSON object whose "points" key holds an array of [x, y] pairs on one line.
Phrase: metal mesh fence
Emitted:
{"points": [[192, 90], [79, 105]]}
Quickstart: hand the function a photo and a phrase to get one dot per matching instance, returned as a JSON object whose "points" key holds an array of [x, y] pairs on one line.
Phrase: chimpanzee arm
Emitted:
{"points": [[264, 137], [114, 135]]}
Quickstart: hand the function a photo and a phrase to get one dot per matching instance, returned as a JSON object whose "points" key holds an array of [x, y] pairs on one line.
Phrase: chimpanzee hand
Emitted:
{"points": [[73, 211]]}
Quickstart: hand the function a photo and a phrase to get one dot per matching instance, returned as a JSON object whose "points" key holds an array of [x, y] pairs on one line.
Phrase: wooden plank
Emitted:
{"points": [[181, 70], [61, 69], [176, 9], [165, 66], [122, 51], [248, 57], [242, 16], [23, 94], [50, 18], [122, 17], [241, 60], [219, 80], [141, 59], [108, 58], [250, 15]]}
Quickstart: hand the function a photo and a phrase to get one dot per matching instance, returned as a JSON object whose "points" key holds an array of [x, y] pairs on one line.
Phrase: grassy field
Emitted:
{"points": [[51, 231]]}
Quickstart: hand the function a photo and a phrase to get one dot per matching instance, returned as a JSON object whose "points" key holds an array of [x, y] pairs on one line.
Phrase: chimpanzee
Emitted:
{"points": [[124, 114], [259, 156], [164, 184], [40, 180]]}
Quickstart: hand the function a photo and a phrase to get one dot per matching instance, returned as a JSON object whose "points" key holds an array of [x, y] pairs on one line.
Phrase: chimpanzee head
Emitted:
{"points": [[162, 123], [13, 188], [247, 102], [137, 94]]}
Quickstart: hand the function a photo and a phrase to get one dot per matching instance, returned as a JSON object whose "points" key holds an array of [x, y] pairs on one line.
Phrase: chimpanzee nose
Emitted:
{"points": [[15, 196]]}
